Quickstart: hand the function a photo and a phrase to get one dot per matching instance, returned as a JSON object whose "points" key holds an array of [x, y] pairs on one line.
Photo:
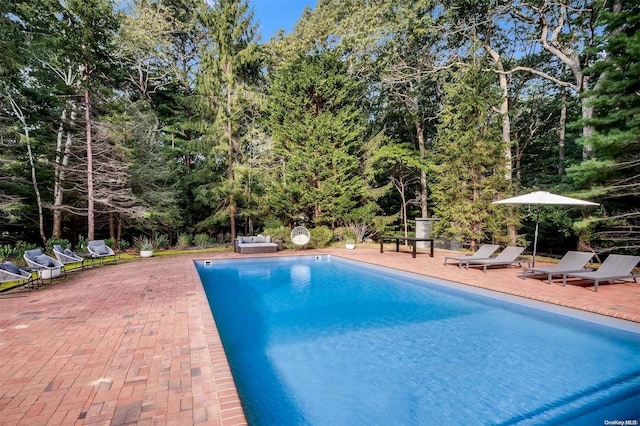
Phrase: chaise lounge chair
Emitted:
{"points": [[67, 257], [615, 267], [99, 250], [573, 261], [484, 252], [507, 257], [47, 267], [11, 273]]}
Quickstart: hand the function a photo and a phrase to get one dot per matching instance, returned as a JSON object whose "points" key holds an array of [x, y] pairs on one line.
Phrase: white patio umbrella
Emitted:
{"points": [[539, 198]]}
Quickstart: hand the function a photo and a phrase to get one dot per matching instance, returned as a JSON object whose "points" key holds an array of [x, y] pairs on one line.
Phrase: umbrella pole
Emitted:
{"points": [[535, 238]]}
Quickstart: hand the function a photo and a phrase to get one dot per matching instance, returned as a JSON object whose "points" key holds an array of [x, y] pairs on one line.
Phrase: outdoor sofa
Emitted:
{"points": [[256, 244]]}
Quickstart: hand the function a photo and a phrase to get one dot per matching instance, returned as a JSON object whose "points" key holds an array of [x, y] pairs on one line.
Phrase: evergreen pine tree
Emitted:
{"points": [[317, 131], [469, 161], [613, 175]]}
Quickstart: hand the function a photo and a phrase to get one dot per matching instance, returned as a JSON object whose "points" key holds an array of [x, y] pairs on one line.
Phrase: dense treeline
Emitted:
{"points": [[173, 117]]}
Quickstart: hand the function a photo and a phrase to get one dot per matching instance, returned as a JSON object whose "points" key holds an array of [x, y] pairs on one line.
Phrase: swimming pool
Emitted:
{"points": [[327, 341]]}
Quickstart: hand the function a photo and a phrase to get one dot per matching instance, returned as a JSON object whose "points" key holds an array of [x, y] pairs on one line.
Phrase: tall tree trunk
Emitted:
{"points": [[34, 179], [404, 216], [512, 232], [119, 232], [91, 224], [562, 130], [231, 177], [575, 63], [34, 182], [57, 184], [62, 160], [587, 114], [112, 226], [475, 198], [231, 155], [424, 211]]}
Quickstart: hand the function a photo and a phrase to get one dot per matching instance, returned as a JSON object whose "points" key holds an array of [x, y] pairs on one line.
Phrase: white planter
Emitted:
{"points": [[47, 274], [350, 246], [146, 253]]}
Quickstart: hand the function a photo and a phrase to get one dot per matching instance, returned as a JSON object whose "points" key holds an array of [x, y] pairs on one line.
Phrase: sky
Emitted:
{"points": [[273, 15]]}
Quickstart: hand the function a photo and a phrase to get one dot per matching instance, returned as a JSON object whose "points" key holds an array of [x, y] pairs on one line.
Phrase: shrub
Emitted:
{"points": [[83, 244], [142, 243], [202, 240], [14, 252], [160, 241], [344, 234], [6, 251], [124, 244], [65, 244], [184, 240], [321, 236], [110, 242], [281, 233]]}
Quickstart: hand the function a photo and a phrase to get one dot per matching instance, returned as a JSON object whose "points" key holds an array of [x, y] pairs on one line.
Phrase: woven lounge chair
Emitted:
{"points": [[11, 273], [300, 236], [572, 261], [484, 252], [507, 257], [67, 257], [99, 250], [47, 267], [614, 268]]}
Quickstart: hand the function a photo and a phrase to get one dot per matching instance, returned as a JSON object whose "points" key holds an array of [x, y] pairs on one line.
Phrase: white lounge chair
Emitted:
{"points": [[614, 268], [484, 252], [99, 250], [11, 273], [507, 257], [67, 257], [48, 268], [572, 261]]}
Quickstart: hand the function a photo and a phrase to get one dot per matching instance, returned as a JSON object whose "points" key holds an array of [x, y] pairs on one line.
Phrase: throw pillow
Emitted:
{"points": [[100, 250], [10, 267], [45, 260], [33, 254]]}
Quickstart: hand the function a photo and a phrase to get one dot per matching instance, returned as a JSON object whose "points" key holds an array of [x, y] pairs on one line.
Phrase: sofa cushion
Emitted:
{"points": [[258, 248], [268, 239], [259, 239]]}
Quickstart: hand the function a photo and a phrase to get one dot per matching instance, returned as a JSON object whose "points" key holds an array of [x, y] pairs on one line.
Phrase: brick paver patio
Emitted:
{"points": [[136, 343]]}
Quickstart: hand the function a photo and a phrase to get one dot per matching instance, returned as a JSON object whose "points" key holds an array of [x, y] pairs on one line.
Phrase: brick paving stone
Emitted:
{"points": [[136, 342]]}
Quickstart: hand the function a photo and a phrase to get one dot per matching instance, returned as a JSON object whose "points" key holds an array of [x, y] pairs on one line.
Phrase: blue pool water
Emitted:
{"points": [[326, 341]]}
